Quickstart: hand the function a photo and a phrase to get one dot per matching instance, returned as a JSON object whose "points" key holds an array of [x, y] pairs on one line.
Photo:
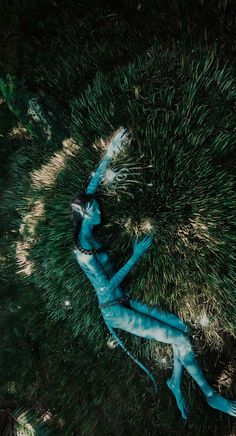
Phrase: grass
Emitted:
{"points": [[177, 97]]}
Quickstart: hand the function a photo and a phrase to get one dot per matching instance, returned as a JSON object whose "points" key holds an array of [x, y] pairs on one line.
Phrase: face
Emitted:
{"points": [[94, 213]]}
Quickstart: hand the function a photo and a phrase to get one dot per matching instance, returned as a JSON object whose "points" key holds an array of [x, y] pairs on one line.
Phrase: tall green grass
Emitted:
{"points": [[178, 101]]}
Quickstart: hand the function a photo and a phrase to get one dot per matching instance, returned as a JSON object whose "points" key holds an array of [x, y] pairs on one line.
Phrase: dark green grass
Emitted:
{"points": [[179, 100], [190, 268]]}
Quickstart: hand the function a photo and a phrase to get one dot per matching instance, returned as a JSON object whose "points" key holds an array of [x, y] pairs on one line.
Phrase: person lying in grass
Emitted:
{"points": [[120, 311]]}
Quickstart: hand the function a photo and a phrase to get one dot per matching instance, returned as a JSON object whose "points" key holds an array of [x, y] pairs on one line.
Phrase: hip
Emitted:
{"points": [[115, 309], [107, 297]]}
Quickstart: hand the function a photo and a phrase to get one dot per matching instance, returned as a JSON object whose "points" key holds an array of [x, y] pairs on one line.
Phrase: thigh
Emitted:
{"points": [[140, 324], [166, 317], [146, 308]]}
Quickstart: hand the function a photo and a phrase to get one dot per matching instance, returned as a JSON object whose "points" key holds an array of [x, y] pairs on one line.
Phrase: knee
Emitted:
{"points": [[185, 349]]}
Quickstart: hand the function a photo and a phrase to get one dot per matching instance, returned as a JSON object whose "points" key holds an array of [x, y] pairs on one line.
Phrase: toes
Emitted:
{"points": [[232, 410]]}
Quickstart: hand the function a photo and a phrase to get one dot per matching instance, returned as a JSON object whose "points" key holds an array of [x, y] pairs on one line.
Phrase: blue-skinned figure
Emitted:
{"points": [[120, 311]]}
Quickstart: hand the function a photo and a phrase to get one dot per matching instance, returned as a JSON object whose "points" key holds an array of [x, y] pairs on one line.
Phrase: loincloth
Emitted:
{"points": [[124, 301]]}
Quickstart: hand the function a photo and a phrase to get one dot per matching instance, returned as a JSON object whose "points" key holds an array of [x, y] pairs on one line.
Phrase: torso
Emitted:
{"points": [[98, 283], [103, 258]]}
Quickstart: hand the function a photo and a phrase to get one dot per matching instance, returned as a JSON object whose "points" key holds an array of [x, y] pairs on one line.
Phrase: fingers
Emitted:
{"points": [[148, 240], [141, 246], [120, 134], [120, 139]]}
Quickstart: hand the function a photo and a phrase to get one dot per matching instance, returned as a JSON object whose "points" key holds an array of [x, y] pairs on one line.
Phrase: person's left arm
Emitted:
{"points": [[140, 247]]}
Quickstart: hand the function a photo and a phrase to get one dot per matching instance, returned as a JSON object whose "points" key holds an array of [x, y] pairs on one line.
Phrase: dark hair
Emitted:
{"points": [[82, 200]]}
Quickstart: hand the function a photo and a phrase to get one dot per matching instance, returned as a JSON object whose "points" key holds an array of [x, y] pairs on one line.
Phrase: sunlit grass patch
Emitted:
{"points": [[45, 176]]}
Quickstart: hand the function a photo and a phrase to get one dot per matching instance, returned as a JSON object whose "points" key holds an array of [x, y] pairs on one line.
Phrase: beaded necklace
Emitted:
{"points": [[83, 250]]}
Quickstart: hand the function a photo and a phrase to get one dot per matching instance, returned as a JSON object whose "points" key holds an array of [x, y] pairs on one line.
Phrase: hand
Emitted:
{"points": [[143, 245], [118, 142]]}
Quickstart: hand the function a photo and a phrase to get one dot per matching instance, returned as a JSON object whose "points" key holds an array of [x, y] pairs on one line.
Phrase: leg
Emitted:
{"points": [[168, 318], [174, 383], [151, 328], [140, 324], [189, 360], [178, 369]]}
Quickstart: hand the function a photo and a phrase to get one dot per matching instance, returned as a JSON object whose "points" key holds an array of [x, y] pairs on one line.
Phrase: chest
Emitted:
{"points": [[103, 258]]}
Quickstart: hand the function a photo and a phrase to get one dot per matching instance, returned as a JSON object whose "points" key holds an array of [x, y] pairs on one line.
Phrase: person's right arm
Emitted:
{"points": [[114, 147]]}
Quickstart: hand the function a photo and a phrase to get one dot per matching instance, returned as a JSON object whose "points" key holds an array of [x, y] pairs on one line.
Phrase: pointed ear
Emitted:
{"points": [[77, 208]]}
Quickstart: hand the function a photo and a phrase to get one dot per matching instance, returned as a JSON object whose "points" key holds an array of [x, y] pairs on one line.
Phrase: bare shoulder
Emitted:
{"points": [[89, 263], [83, 258], [93, 269]]}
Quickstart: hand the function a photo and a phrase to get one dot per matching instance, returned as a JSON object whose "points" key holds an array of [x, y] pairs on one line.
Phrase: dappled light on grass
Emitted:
{"points": [[203, 320], [19, 132], [135, 228], [163, 356], [203, 316], [30, 220], [226, 377], [179, 119], [196, 231], [146, 226], [27, 230], [26, 266], [45, 177], [210, 326]]}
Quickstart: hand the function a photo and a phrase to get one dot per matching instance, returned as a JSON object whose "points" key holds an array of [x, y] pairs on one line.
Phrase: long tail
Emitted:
{"points": [[120, 342]]}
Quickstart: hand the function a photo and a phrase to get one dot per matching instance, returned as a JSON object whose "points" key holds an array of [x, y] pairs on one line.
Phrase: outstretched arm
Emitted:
{"points": [[118, 277], [114, 147], [98, 174], [139, 249]]}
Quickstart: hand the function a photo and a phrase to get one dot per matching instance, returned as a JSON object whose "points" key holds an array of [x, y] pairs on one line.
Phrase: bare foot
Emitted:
{"points": [[181, 403], [220, 403]]}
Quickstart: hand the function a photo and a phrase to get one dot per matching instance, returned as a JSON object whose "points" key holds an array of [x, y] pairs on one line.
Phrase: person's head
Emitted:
{"points": [[85, 209]]}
